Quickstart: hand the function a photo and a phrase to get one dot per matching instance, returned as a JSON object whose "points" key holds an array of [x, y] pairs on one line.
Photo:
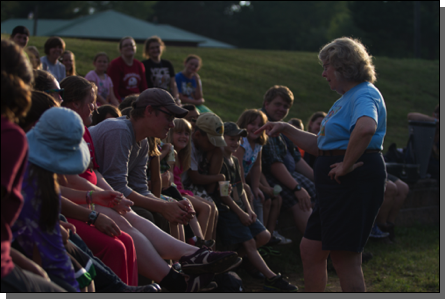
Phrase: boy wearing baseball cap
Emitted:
{"points": [[238, 223], [206, 158]]}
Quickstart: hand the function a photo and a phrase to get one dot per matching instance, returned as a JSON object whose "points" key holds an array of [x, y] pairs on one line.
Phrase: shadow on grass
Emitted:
{"points": [[410, 264]]}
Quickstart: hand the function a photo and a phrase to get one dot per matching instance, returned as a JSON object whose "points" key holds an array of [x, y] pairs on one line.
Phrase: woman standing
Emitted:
{"points": [[349, 172], [126, 72], [159, 72]]}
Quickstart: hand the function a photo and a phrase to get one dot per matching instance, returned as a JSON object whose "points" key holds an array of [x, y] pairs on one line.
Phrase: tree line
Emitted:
{"points": [[403, 29]]}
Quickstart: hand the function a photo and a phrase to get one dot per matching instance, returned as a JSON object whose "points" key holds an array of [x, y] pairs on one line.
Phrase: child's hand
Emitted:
{"points": [[106, 198], [166, 148], [245, 219], [258, 194], [252, 215], [123, 206]]}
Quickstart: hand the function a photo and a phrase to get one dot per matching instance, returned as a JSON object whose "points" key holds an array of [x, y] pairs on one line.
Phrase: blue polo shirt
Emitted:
{"points": [[362, 100]]}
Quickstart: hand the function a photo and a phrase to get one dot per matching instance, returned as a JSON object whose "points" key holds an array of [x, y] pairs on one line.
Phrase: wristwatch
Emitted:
{"points": [[92, 217], [297, 188]]}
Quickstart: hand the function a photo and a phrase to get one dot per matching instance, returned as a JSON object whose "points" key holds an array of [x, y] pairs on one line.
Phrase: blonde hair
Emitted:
{"points": [[184, 156], [153, 145], [350, 59], [249, 116]]}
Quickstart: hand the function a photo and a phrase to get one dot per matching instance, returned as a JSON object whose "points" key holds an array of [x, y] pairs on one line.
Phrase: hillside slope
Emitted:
{"points": [[234, 80]]}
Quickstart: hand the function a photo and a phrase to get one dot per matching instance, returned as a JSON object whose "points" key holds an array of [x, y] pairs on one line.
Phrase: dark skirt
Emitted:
{"points": [[344, 213]]}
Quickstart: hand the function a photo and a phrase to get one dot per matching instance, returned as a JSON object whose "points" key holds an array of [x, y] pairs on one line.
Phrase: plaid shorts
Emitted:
{"points": [[289, 199]]}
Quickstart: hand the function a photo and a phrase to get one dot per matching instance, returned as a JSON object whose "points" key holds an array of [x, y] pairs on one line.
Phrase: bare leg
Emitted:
{"points": [[203, 212], [314, 265], [274, 212], [194, 225], [348, 266], [388, 202], [250, 250], [300, 217], [151, 243], [174, 230], [181, 232], [266, 210], [399, 199]]}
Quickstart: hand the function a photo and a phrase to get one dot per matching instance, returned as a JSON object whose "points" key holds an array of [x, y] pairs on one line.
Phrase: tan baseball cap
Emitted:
{"points": [[159, 97], [214, 127]]}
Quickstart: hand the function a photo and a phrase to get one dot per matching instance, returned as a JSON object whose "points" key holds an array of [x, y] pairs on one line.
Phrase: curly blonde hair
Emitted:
{"points": [[350, 59]]}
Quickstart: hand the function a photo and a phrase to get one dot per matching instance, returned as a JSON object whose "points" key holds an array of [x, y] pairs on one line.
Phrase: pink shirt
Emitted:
{"points": [[104, 86], [178, 182]]}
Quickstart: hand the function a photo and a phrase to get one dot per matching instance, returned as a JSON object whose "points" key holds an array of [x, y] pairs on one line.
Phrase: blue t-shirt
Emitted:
{"points": [[185, 85], [361, 100]]}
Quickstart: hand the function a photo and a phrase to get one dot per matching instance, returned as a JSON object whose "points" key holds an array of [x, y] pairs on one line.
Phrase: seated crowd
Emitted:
{"points": [[111, 174]]}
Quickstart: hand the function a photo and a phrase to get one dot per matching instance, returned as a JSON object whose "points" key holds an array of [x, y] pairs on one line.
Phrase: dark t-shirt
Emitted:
{"points": [[159, 74], [14, 159], [233, 174]]}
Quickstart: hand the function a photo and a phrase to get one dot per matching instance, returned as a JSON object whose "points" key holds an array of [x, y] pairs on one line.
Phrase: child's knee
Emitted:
{"points": [[263, 238]]}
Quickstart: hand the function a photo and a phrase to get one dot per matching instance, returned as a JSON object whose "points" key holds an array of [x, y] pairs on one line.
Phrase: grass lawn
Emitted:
{"points": [[411, 264], [236, 79]]}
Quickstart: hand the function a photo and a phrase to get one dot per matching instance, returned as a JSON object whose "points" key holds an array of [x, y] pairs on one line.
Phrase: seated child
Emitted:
{"points": [[237, 222], [169, 192], [206, 156], [102, 80], [207, 212], [265, 205], [189, 83]]}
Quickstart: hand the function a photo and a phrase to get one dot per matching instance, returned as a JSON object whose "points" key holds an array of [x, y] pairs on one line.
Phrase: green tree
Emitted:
{"points": [[287, 25], [214, 19], [388, 27]]}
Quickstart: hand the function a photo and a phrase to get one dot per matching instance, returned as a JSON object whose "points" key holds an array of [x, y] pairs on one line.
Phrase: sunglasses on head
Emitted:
{"points": [[60, 91]]}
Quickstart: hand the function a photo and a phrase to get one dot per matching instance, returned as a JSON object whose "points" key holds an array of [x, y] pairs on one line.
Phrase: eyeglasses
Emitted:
{"points": [[170, 118]]}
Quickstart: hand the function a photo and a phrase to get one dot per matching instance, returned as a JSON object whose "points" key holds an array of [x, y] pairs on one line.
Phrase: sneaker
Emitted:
{"points": [[207, 243], [278, 283], [283, 240], [377, 233], [200, 283], [206, 261]]}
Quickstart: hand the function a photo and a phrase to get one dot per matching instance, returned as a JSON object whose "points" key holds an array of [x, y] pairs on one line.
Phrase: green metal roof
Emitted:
{"points": [[111, 24]]}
